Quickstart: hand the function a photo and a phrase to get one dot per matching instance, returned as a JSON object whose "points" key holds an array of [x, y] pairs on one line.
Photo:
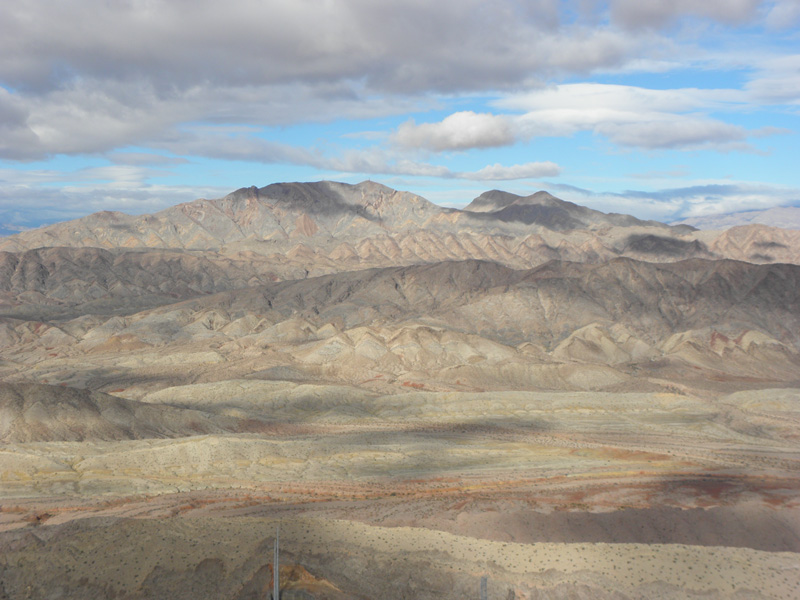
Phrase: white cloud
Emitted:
{"points": [[722, 198], [459, 131], [120, 175], [145, 159], [684, 132], [94, 76], [382, 163], [235, 144], [627, 115], [626, 98], [777, 81], [202, 78], [33, 205], [702, 198], [497, 172], [633, 117], [784, 14]]}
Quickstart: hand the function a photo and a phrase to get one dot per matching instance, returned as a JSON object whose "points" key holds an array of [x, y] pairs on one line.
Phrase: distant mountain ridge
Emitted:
{"points": [[361, 283], [324, 209], [542, 208], [785, 217], [297, 230]]}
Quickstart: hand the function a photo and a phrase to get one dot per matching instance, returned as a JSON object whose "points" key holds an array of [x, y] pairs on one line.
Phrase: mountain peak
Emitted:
{"points": [[491, 201]]}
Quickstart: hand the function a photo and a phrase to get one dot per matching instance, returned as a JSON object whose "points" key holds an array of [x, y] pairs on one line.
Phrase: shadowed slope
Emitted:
{"points": [[45, 413]]}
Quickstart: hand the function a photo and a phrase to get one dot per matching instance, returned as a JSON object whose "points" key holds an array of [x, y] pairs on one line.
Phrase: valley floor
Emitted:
{"points": [[549, 495]]}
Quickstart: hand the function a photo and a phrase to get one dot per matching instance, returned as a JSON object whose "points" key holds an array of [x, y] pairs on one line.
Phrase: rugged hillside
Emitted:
{"points": [[757, 243], [546, 210], [275, 214], [331, 282], [114, 280], [655, 299], [498, 388], [303, 229], [454, 325], [46, 413]]}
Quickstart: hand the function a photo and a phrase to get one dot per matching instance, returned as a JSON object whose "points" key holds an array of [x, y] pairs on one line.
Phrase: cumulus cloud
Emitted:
{"points": [[459, 131], [627, 115], [784, 14], [149, 84], [94, 76], [407, 46], [498, 172], [633, 117], [661, 13], [382, 163], [704, 198], [777, 81]]}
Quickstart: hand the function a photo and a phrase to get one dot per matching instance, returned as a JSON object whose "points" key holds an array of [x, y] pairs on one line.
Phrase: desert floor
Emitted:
{"points": [[548, 495]]}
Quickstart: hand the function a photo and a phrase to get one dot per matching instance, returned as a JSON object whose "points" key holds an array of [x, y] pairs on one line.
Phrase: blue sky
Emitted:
{"points": [[663, 109]]}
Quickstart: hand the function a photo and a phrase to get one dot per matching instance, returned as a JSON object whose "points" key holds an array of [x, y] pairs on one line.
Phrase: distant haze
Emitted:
{"points": [[787, 217]]}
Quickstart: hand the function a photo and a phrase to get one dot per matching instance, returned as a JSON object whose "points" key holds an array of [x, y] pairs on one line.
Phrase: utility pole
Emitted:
{"points": [[484, 594], [276, 568]]}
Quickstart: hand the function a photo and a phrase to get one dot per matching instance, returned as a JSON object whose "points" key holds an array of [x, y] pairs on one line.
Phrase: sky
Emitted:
{"points": [[665, 109]]}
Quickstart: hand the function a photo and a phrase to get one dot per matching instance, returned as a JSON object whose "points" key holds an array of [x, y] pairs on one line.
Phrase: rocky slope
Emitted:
{"points": [[468, 325], [46, 413], [546, 210], [119, 264], [112, 280], [303, 229]]}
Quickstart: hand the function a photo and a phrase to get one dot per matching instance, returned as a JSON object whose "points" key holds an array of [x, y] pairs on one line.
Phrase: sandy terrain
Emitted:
{"points": [[550, 495], [133, 558]]}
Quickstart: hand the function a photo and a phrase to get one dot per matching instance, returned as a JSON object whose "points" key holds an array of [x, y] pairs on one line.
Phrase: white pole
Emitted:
{"points": [[276, 568]]}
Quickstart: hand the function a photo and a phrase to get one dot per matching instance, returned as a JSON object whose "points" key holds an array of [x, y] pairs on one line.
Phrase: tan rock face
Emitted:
{"points": [[383, 227]]}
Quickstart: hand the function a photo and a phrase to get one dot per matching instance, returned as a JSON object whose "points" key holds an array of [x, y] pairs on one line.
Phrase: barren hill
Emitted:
{"points": [[46, 413], [304, 229], [655, 299], [544, 209], [114, 280], [469, 324]]}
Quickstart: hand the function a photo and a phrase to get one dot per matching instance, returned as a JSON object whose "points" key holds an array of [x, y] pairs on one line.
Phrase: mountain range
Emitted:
{"points": [[290, 231], [352, 283], [786, 217], [418, 395]]}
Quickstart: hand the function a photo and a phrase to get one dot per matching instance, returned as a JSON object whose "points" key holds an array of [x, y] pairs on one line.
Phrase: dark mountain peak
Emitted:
{"points": [[327, 196], [548, 211], [491, 201], [543, 198], [244, 193]]}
